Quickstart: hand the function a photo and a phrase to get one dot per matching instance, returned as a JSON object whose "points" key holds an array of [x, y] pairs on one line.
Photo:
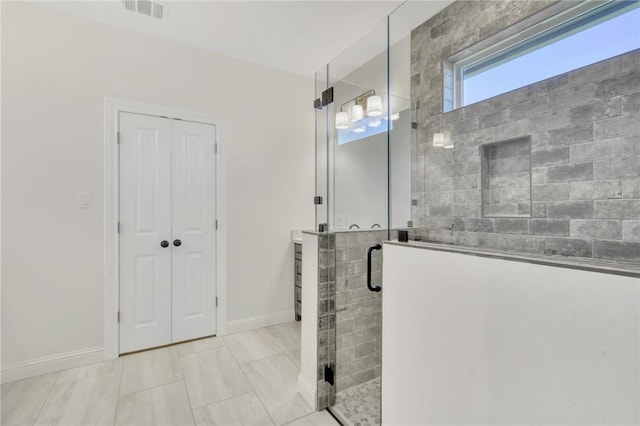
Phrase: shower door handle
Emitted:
{"points": [[369, 286]]}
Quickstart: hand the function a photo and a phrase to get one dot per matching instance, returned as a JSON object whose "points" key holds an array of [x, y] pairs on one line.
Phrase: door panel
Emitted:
{"points": [[145, 220], [193, 218]]}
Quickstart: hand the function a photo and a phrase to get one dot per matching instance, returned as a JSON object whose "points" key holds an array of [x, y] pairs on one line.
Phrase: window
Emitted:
{"points": [[576, 38]]}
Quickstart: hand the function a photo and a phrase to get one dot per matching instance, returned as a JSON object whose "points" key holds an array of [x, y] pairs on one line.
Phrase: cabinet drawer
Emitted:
{"points": [[298, 251], [298, 308], [298, 280], [298, 291], [298, 267]]}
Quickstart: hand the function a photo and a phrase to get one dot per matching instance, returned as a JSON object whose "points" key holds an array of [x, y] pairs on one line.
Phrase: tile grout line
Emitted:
{"points": [[186, 391], [253, 387], [35, 419], [115, 415]]}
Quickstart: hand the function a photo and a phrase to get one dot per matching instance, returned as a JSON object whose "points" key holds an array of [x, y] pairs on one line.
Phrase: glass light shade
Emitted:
{"points": [[438, 139], [395, 116], [374, 106], [375, 123], [448, 143], [359, 129], [342, 120], [356, 113]]}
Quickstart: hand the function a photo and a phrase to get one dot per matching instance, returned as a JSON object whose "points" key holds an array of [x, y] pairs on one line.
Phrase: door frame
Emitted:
{"points": [[112, 109]]}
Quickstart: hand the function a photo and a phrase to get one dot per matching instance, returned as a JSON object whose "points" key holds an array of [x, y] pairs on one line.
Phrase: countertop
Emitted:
{"points": [[594, 265]]}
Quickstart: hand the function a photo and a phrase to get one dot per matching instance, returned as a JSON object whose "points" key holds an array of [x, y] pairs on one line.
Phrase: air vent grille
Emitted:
{"points": [[149, 8]]}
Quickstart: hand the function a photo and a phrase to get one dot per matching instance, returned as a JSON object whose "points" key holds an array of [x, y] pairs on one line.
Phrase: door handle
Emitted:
{"points": [[177, 243], [369, 286], [164, 244]]}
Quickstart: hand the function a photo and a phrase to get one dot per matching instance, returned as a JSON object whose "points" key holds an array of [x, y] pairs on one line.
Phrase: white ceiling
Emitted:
{"points": [[294, 36]]}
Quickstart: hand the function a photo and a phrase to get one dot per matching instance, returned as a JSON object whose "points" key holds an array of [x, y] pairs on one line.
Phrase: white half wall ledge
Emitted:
{"points": [[308, 390], [259, 321], [51, 363]]}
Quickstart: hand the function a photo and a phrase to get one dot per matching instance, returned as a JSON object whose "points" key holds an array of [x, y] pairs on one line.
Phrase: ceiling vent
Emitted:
{"points": [[150, 8]]}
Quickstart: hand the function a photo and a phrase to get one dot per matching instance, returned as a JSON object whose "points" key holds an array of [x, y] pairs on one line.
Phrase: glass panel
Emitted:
{"points": [[360, 119], [359, 144], [322, 167]]}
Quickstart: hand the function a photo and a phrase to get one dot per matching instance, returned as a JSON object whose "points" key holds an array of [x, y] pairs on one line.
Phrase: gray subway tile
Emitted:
{"points": [[551, 227], [569, 247], [571, 172], [617, 209], [596, 190], [550, 156], [570, 210], [631, 230], [617, 250], [597, 229]]}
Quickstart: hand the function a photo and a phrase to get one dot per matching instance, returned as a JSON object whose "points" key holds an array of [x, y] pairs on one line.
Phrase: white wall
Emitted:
{"points": [[307, 380], [475, 341], [56, 72]]}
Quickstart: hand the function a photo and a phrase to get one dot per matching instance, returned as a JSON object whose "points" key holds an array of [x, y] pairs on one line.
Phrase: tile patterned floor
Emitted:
{"points": [[359, 405], [243, 379]]}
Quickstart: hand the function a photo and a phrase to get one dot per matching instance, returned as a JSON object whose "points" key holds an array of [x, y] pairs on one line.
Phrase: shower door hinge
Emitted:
{"points": [[118, 316], [317, 104], [328, 374], [118, 227], [327, 96], [317, 200]]}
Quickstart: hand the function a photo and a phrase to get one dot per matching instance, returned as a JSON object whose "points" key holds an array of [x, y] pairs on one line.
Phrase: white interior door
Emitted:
{"points": [[193, 218], [167, 231], [145, 221]]}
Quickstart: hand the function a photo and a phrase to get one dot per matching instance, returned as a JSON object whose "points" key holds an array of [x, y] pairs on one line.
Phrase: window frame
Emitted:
{"points": [[576, 19]]}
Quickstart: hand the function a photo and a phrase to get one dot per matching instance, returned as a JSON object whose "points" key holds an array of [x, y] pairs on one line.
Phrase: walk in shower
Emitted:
{"points": [[363, 187], [409, 137]]}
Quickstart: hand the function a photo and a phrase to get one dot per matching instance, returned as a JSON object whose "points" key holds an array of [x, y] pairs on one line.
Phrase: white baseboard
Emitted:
{"points": [[308, 390], [251, 323], [51, 363]]}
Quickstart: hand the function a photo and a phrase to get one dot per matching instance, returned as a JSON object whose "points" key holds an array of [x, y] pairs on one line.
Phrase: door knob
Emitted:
{"points": [[177, 243], [164, 244]]}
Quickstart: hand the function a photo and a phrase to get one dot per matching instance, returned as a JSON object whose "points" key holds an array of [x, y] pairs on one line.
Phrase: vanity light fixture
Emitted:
{"points": [[438, 139], [356, 113], [342, 120], [374, 106], [448, 143]]}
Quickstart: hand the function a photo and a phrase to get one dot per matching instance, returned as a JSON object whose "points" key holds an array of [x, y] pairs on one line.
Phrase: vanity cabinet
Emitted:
{"points": [[297, 281]]}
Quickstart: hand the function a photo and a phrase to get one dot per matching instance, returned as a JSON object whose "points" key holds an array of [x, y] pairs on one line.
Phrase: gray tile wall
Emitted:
{"points": [[326, 315], [358, 310], [585, 144]]}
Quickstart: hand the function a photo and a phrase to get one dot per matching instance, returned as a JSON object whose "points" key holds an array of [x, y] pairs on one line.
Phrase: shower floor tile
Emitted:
{"points": [[359, 405]]}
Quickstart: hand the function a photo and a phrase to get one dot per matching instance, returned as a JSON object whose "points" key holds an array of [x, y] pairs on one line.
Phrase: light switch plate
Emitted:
{"points": [[84, 200]]}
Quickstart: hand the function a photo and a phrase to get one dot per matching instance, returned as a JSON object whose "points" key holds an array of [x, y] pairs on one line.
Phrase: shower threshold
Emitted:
{"points": [[358, 405]]}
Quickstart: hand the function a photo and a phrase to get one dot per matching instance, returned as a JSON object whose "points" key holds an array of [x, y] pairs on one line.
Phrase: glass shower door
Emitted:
{"points": [[359, 120]]}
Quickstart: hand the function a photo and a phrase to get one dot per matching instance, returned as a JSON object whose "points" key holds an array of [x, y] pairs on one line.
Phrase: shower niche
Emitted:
{"points": [[506, 178]]}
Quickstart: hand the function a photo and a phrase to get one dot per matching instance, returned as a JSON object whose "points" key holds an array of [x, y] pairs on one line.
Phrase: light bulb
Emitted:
{"points": [[374, 106], [342, 120], [359, 129], [356, 113], [438, 139], [448, 143], [375, 123]]}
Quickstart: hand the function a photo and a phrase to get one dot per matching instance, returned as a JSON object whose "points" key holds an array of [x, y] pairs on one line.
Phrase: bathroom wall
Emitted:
{"points": [[56, 71], [585, 144]]}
